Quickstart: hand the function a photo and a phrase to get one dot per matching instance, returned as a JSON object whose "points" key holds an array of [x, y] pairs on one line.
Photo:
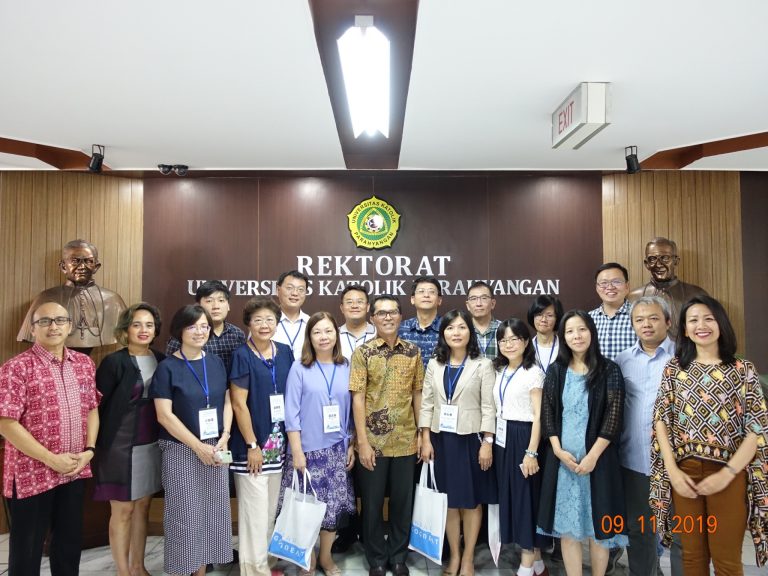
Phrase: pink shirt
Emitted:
{"points": [[51, 399]]}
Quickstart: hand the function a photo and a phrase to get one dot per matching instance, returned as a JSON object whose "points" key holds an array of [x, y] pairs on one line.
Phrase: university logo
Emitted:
{"points": [[373, 224]]}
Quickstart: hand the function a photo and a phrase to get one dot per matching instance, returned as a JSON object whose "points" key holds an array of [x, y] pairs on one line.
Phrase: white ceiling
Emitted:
{"points": [[239, 85]]}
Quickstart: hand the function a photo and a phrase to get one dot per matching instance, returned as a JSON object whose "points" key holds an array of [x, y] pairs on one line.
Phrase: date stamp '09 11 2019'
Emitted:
{"points": [[679, 524]]}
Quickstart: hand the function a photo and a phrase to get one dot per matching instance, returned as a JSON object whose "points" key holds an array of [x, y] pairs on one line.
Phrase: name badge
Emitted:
{"points": [[501, 432], [331, 419], [209, 423], [277, 407], [449, 418]]}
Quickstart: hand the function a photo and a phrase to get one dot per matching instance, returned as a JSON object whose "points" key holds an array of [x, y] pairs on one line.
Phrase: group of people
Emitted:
{"points": [[603, 427]]}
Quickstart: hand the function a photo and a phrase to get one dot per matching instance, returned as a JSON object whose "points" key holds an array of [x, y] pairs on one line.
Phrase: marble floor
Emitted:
{"points": [[99, 561]]}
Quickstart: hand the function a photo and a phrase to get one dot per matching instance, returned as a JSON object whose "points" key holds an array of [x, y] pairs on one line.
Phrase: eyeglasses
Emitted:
{"points": [[59, 321], [381, 314], [483, 299], [291, 289], [509, 341], [198, 328], [76, 262], [545, 316], [263, 321], [360, 302], [426, 292], [615, 283], [665, 259]]}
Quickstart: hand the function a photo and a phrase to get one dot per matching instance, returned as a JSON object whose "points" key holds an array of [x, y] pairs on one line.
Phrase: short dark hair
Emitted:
{"points": [[611, 266], [594, 360], [541, 303], [293, 274], [385, 297], [480, 284], [685, 349], [520, 330], [208, 287], [442, 351], [308, 353], [426, 280], [260, 303], [126, 318], [186, 316], [355, 288]]}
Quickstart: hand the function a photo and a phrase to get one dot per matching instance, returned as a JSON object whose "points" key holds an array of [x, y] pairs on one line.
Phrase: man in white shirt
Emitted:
{"points": [[356, 330], [291, 293]]}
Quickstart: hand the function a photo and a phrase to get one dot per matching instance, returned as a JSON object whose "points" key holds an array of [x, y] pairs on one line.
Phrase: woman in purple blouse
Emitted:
{"points": [[318, 421]]}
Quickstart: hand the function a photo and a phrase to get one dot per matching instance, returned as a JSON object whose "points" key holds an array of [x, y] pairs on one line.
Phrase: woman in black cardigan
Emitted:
{"points": [[581, 414], [127, 464]]}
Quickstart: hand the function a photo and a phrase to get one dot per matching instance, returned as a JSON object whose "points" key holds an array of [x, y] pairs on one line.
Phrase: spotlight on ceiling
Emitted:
{"points": [[181, 169], [633, 164], [364, 55], [165, 169], [97, 158]]}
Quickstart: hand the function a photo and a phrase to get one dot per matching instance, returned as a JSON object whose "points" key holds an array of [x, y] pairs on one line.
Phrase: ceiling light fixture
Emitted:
{"points": [[633, 164], [178, 169], [97, 158], [364, 55]]}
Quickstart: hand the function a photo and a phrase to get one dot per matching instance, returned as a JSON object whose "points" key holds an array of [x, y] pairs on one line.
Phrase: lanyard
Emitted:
{"points": [[353, 344], [452, 381], [551, 351], [503, 386], [204, 383], [298, 330], [268, 364], [487, 343], [328, 385]]}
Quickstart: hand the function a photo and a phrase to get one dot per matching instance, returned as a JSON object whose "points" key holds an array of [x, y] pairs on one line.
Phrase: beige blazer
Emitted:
{"points": [[473, 395]]}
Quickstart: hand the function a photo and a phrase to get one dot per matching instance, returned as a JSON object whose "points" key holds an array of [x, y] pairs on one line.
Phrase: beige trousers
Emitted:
{"points": [[257, 498]]}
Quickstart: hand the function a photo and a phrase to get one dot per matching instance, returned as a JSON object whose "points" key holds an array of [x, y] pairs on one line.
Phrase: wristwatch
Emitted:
{"points": [[488, 439], [252, 445]]}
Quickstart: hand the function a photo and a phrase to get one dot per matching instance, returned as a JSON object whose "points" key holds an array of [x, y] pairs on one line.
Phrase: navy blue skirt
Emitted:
{"points": [[518, 495], [458, 473]]}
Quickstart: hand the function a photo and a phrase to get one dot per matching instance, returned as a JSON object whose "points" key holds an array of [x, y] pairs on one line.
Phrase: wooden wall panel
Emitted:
{"points": [[701, 211], [42, 211]]}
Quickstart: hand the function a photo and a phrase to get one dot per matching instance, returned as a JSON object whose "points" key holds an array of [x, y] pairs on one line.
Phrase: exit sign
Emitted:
{"points": [[581, 115]]}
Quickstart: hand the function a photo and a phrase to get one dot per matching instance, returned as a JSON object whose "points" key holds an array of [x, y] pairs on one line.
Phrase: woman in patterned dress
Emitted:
{"points": [[710, 445], [127, 469], [193, 408], [581, 415], [318, 421]]}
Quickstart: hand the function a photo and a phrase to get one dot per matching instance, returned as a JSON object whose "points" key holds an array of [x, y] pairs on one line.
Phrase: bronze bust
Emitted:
{"points": [[661, 261], [94, 310]]}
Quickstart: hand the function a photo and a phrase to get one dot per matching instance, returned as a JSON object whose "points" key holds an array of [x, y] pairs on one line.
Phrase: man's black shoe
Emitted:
{"points": [[377, 571], [400, 569]]}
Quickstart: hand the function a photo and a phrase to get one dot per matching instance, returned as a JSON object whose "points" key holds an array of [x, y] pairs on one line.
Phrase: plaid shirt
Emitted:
{"points": [[614, 333], [230, 339], [51, 399], [424, 338], [487, 340]]}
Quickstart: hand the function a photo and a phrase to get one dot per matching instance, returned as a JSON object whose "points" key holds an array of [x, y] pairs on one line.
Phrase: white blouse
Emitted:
{"points": [[516, 391]]}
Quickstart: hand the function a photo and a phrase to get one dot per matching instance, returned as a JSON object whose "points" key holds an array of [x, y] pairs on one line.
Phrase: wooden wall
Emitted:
{"points": [[701, 211], [42, 211]]}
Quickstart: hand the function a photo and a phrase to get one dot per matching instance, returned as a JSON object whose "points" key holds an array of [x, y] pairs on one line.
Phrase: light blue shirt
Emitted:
{"points": [[642, 376]]}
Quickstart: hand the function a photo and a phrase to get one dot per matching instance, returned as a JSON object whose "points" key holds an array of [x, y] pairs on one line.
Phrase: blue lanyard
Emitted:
{"points": [[352, 346], [503, 386], [204, 383], [551, 351], [298, 331], [328, 385], [452, 381], [268, 364]]}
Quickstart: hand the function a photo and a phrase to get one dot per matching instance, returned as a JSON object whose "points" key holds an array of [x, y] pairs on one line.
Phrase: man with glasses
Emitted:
{"points": [[614, 326], [291, 293], [661, 261], [480, 303], [94, 310], [385, 380], [224, 337], [49, 418], [424, 329]]}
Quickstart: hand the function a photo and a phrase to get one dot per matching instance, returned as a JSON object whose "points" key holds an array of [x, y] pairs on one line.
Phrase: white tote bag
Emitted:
{"points": [[298, 525], [430, 509]]}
